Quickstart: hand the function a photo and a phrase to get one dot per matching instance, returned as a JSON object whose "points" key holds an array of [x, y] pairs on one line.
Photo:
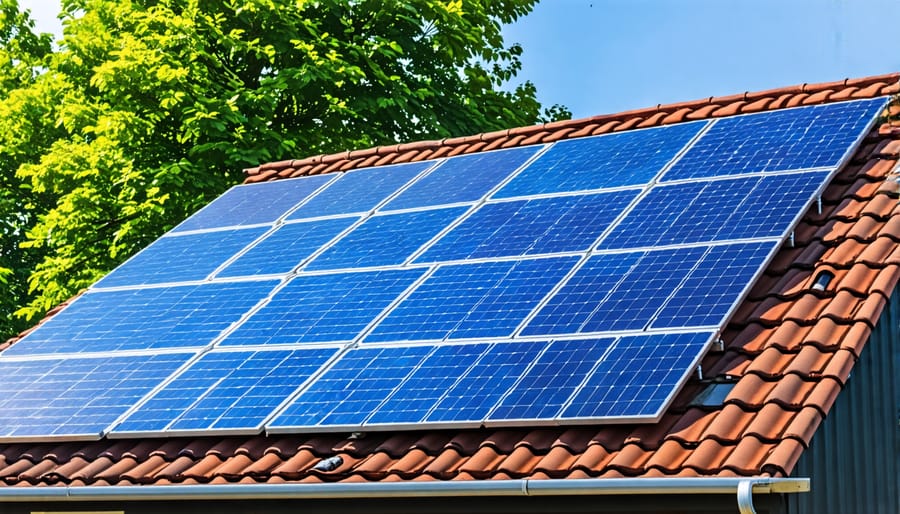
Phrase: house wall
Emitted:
{"points": [[853, 457]]}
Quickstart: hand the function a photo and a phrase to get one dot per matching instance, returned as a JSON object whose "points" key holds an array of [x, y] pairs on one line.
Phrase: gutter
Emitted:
{"points": [[742, 487]]}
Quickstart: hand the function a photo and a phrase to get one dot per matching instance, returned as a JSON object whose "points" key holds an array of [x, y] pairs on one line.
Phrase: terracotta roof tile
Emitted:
{"points": [[790, 348]]}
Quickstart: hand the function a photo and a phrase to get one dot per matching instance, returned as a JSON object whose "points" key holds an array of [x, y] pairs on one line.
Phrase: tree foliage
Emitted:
{"points": [[146, 109]]}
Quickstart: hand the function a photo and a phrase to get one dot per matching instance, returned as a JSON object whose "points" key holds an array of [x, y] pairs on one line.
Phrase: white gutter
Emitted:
{"points": [[742, 487]]}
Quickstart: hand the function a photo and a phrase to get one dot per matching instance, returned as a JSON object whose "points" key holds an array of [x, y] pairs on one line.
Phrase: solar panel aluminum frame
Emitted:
{"points": [[110, 432]]}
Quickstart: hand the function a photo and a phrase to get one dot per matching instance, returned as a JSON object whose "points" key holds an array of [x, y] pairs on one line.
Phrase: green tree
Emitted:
{"points": [[147, 109]]}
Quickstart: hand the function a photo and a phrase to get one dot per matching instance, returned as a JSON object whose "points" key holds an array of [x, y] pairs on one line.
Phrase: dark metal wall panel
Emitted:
{"points": [[854, 457]]}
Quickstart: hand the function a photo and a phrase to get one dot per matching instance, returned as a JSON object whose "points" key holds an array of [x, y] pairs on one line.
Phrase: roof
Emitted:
{"points": [[789, 347]]}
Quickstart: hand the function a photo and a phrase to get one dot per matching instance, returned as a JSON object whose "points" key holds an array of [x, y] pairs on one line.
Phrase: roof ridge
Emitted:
{"points": [[661, 114]]}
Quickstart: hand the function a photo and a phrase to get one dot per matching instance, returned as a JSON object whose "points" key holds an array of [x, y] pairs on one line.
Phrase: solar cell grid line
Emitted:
{"points": [[715, 286], [546, 387], [75, 398], [463, 178], [254, 204], [611, 160], [471, 300], [360, 190], [818, 136], [475, 394], [530, 227], [385, 239], [225, 391], [286, 248], [324, 308], [190, 316], [417, 395], [181, 258], [350, 390], [638, 378]]}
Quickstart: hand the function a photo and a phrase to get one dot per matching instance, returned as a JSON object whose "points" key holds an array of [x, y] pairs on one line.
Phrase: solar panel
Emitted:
{"points": [[351, 389], [466, 178], [545, 389], [385, 240], [713, 287], [477, 392], [323, 308], [485, 299], [76, 398], [611, 160], [283, 250], [529, 227], [578, 282], [254, 204], [418, 394], [144, 319], [716, 210], [790, 139], [182, 258], [225, 390], [359, 191], [638, 378]]}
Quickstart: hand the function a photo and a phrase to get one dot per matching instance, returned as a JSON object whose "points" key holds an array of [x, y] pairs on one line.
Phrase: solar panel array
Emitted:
{"points": [[569, 283]]}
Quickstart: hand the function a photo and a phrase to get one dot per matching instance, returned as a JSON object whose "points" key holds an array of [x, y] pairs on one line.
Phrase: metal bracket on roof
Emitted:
{"points": [[718, 345], [791, 239], [699, 372], [819, 204]]}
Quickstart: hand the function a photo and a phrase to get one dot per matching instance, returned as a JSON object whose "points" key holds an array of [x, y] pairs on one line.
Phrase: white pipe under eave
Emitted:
{"points": [[743, 488]]}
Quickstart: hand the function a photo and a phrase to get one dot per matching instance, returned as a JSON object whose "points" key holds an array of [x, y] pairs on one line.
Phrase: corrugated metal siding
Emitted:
{"points": [[853, 457]]}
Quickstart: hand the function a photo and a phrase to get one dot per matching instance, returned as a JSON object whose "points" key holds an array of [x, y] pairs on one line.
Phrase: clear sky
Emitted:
{"points": [[603, 56]]}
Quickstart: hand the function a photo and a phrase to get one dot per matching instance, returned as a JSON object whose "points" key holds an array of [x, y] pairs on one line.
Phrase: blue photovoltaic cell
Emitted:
{"points": [[612, 160], [712, 289], [227, 390], [181, 258], [144, 319], [487, 299], [638, 377], [351, 389], [718, 210], [76, 397], [543, 391], [465, 178], [385, 240], [530, 227], [323, 308], [254, 204], [479, 390], [422, 390], [601, 296], [790, 139], [359, 191], [282, 250]]}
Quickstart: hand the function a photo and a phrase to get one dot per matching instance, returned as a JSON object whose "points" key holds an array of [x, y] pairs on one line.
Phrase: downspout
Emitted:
{"points": [[742, 487]]}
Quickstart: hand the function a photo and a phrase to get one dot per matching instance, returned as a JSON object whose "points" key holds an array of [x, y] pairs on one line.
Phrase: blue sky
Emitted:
{"points": [[604, 56], [599, 56]]}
